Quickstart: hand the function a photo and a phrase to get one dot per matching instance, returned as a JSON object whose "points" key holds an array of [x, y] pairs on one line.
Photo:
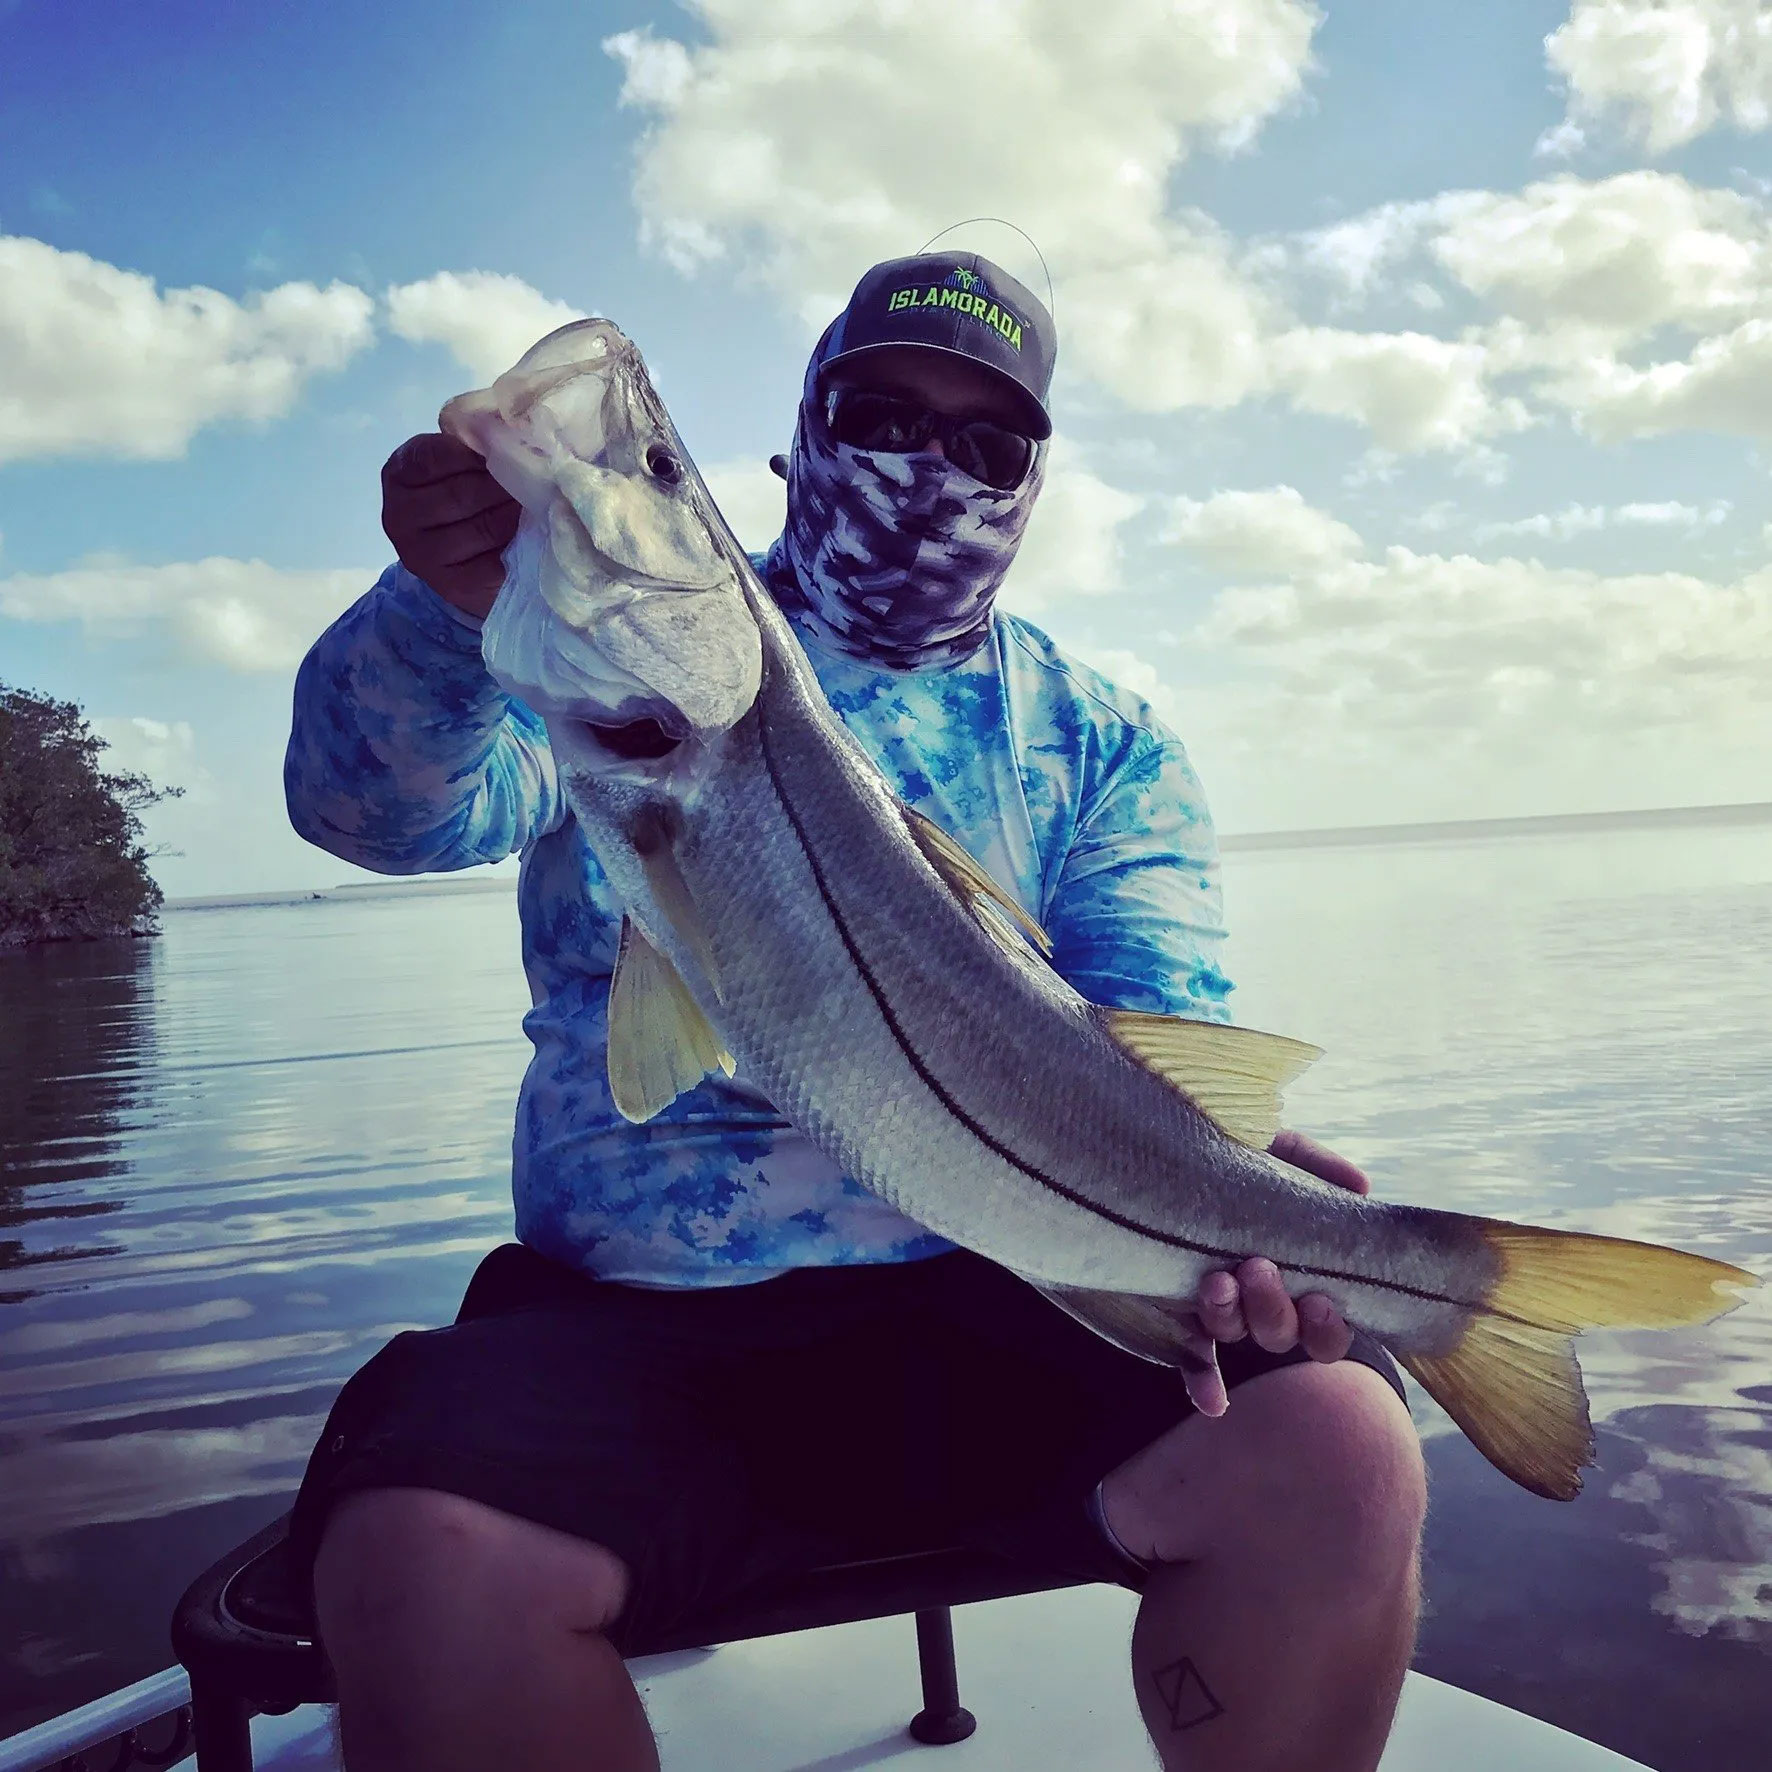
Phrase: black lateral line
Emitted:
{"points": [[992, 1143]]}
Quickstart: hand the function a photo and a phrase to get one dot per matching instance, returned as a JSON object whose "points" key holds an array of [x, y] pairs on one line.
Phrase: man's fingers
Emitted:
{"points": [[487, 532], [1318, 1160], [482, 575], [1199, 1372], [1253, 1301], [431, 455], [1220, 1308], [461, 498], [1322, 1329], [1271, 1315]]}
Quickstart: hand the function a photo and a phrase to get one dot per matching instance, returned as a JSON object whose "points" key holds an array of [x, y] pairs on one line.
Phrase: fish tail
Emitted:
{"points": [[1512, 1382]]}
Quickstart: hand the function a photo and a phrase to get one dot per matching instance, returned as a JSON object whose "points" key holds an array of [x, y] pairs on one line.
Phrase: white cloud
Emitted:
{"points": [[207, 817], [1430, 685], [485, 318], [1072, 547], [1411, 390], [1436, 518], [1618, 257], [1341, 687], [816, 136], [1668, 70], [752, 499], [797, 147], [1725, 384], [163, 750], [809, 140], [1638, 303], [1182, 327], [1624, 254], [1356, 253], [1562, 141], [1563, 525], [1444, 640], [1254, 534], [99, 361], [242, 614], [1669, 513], [1574, 519]]}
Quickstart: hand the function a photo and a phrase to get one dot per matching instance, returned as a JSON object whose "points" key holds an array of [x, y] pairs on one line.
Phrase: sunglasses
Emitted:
{"points": [[864, 419]]}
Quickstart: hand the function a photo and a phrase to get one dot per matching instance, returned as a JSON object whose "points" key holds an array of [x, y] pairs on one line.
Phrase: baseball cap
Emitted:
{"points": [[960, 303]]}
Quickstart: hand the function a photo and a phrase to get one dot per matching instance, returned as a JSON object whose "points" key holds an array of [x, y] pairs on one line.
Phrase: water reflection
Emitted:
{"points": [[235, 1161], [295, 1126], [1573, 1034], [73, 1020]]}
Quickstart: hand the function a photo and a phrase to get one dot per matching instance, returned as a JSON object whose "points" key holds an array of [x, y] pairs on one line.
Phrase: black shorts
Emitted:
{"points": [[715, 1438]]}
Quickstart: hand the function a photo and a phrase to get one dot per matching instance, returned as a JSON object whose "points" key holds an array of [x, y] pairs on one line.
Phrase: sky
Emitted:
{"points": [[1414, 402]]}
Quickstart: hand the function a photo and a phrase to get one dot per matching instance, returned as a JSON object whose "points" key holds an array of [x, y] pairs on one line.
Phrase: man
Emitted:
{"points": [[712, 1356]]}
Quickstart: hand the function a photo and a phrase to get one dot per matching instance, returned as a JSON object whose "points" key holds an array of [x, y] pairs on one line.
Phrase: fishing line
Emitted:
{"points": [[1051, 299]]}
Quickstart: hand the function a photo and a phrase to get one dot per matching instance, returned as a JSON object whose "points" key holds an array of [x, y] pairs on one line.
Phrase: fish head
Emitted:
{"points": [[623, 605]]}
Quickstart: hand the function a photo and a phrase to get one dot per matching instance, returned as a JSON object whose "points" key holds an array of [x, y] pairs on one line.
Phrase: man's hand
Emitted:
{"points": [[448, 519], [1253, 1299]]}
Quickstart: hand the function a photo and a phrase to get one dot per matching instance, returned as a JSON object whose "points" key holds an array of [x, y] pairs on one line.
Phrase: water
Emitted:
{"points": [[235, 1160]]}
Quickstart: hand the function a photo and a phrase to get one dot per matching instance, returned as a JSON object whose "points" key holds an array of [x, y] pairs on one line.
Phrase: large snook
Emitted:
{"points": [[785, 912]]}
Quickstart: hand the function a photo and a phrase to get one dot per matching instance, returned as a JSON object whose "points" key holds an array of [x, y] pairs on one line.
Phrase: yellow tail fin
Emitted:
{"points": [[1512, 1382]]}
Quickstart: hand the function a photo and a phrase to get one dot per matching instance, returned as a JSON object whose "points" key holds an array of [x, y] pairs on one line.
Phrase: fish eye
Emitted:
{"points": [[662, 465]]}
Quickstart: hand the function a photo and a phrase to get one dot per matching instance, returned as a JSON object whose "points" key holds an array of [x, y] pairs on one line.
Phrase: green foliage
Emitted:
{"points": [[72, 864]]}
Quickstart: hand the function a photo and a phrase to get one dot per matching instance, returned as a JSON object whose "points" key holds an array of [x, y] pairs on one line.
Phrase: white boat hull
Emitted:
{"points": [[1045, 1674]]}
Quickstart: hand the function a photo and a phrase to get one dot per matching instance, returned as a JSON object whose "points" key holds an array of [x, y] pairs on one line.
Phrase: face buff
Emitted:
{"points": [[892, 559]]}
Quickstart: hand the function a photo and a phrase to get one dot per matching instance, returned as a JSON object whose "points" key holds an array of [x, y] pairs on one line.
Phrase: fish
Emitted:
{"points": [[789, 920]]}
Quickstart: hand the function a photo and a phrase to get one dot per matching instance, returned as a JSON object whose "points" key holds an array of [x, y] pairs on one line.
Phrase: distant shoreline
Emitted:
{"points": [[422, 886], [1359, 836], [1553, 824]]}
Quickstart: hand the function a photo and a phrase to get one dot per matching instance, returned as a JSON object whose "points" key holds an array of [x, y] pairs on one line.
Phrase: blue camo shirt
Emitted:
{"points": [[406, 757]]}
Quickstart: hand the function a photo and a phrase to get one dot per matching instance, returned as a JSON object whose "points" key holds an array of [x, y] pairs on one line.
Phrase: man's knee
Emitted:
{"points": [[1316, 1466], [398, 1567], [1359, 1491]]}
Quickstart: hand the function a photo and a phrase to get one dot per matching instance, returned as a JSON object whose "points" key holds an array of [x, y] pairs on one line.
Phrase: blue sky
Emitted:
{"points": [[1414, 389]]}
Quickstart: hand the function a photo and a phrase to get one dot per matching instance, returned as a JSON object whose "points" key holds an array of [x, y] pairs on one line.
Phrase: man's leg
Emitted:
{"points": [[464, 1639], [1278, 1630]]}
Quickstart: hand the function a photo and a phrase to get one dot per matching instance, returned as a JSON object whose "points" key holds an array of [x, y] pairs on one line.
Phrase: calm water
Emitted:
{"points": [[236, 1160]]}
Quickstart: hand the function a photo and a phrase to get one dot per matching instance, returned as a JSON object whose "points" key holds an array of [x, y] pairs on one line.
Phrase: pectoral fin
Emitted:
{"points": [[1232, 1075], [660, 1043], [967, 880], [1162, 1330], [651, 838]]}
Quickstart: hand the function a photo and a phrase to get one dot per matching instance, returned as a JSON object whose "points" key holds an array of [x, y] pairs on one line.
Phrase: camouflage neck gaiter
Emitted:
{"points": [[892, 559]]}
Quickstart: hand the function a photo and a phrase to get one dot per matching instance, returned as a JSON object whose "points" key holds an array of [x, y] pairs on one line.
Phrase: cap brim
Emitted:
{"points": [[1031, 418]]}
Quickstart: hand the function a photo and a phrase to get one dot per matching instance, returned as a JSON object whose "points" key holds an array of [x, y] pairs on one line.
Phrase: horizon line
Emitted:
{"points": [[1744, 812]]}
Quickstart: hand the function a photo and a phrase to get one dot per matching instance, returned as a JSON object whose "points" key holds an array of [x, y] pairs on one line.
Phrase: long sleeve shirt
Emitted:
{"points": [[405, 756]]}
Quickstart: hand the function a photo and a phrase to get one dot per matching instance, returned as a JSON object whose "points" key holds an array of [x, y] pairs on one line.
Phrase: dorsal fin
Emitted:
{"points": [[967, 880], [660, 1043], [1232, 1075]]}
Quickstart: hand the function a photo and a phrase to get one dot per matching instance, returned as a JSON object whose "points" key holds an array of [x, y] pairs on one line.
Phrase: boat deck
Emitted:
{"points": [[1045, 1674]]}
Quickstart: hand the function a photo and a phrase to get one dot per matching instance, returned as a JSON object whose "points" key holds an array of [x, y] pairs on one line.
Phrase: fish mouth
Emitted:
{"points": [[635, 740]]}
